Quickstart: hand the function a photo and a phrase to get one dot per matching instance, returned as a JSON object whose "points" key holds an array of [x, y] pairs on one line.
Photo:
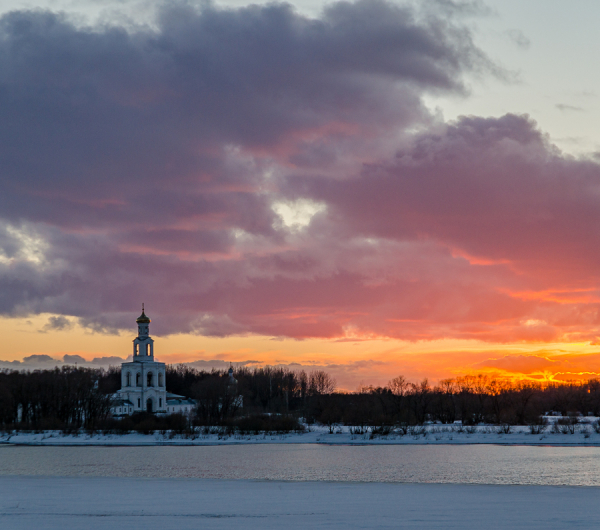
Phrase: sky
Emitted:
{"points": [[372, 188]]}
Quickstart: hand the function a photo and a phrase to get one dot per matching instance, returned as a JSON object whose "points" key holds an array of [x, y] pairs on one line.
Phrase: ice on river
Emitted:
{"points": [[101, 503]]}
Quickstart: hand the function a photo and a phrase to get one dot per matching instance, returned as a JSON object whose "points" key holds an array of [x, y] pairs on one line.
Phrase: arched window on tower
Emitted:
{"points": [[135, 349], [150, 379], [148, 349], [160, 379], [138, 379], [128, 379]]}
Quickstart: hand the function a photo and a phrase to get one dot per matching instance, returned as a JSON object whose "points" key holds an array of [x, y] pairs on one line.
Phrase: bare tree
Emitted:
{"points": [[320, 383], [399, 386]]}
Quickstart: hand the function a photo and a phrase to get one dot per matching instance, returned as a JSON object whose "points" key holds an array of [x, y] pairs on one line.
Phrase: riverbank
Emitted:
{"points": [[579, 435], [100, 503]]}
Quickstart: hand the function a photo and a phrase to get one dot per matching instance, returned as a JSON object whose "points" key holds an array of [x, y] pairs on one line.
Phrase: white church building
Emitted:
{"points": [[143, 380]]}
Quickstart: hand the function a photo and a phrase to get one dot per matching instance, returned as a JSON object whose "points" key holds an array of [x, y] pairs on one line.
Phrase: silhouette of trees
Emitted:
{"points": [[72, 398], [61, 398]]}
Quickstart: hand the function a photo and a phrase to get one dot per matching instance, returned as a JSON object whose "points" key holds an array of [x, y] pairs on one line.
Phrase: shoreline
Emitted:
{"points": [[519, 436]]}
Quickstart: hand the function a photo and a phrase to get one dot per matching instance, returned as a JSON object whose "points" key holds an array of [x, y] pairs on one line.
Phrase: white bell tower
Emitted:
{"points": [[143, 382], [143, 345]]}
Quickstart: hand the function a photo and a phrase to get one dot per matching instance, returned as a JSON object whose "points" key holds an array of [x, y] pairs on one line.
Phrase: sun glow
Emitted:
{"points": [[353, 360], [296, 215]]}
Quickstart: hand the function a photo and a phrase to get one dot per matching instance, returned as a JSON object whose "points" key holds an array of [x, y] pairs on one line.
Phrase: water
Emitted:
{"points": [[475, 464]]}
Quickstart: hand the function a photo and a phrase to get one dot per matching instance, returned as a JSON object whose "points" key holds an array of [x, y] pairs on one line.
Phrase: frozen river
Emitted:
{"points": [[298, 487], [469, 464], [93, 503]]}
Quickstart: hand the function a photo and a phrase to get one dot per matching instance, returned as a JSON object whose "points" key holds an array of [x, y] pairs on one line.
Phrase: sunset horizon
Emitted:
{"points": [[353, 363]]}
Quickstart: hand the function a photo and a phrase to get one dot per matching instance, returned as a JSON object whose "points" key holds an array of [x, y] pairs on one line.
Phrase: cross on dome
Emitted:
{"points": [[143, 319]]}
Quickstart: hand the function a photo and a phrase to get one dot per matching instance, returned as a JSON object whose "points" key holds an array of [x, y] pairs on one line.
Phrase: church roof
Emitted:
{"points": [[184, 401], [143, 319], [119, 402]]}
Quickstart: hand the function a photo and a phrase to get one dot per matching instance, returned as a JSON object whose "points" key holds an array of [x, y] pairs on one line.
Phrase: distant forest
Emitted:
{"points": [[72, 398]]}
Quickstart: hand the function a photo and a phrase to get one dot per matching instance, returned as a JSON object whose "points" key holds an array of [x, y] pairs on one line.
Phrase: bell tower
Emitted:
{"points": [[143, 344], [143, 379]]}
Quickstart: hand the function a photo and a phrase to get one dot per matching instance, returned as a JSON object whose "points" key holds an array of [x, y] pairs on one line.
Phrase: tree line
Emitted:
{"points": [[66, 398], [470, 400], [71, 398]]}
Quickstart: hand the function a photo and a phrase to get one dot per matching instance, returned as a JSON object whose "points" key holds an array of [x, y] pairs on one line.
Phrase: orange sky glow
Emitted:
{"points": [[353, 362]]}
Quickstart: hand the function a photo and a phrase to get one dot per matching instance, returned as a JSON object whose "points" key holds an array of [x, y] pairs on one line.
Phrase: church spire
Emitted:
{"points": [[143, 345], [143, 319], [143, 324]]}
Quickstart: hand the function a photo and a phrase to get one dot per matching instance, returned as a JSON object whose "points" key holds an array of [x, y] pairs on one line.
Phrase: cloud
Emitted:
{"points": [[73, 359], [254, 170], [96, 362], [219, 364], [38, 359], [493, 188], [133, 122], [519, 38], [58, 323], [348, 375], [544, 365], [568, 108], [110, 360], [492, 192], [525, 364], [44, 362], [145, 162], [464, 8]]}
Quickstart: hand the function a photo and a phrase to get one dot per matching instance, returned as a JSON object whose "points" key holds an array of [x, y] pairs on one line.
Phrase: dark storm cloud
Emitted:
{"points": [[157, 141], [142, 165], [89, 117]]}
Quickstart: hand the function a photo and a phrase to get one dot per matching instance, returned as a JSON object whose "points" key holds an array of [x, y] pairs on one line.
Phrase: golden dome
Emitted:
{"points": [[143, 319]]}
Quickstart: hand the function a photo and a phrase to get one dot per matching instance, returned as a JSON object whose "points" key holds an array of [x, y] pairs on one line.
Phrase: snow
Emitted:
{"points": [[108, 503], [584, 435]]}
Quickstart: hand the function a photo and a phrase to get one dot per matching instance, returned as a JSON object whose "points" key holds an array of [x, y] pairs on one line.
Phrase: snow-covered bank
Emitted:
{"points": [[583, 435], [148, 504]]}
